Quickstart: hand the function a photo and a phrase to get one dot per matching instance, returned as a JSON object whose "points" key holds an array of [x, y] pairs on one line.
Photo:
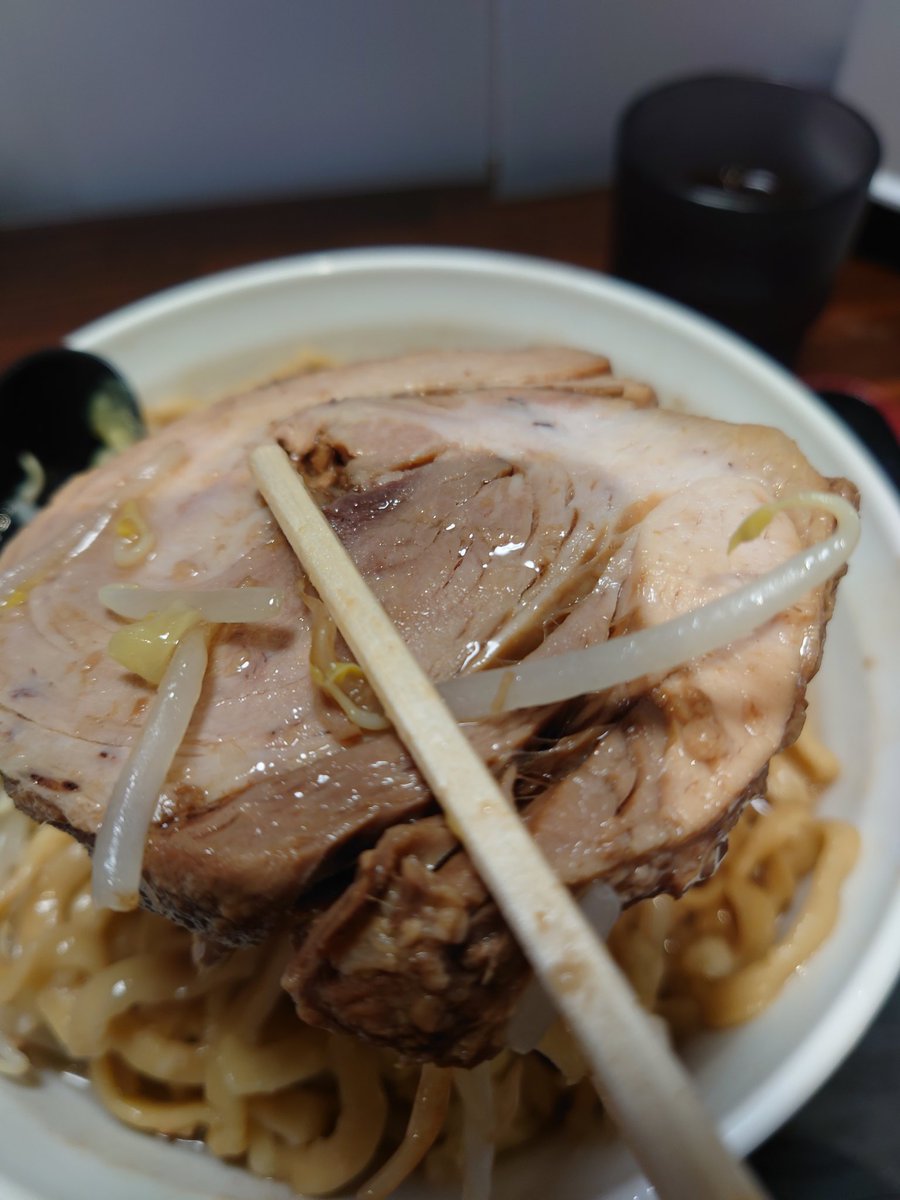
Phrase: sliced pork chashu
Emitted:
{"points": [[500, 506]]}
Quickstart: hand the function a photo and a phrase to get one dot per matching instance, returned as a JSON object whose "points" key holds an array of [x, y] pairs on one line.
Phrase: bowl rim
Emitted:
{"points": [[856, 1003], [568, 278]]}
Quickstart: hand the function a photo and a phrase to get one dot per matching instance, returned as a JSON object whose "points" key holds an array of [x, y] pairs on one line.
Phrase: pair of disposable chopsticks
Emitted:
{"points": [[643, 1086]]}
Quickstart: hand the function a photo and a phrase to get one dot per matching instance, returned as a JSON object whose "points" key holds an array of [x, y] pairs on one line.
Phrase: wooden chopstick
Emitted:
{"points": [[643, 1086]]}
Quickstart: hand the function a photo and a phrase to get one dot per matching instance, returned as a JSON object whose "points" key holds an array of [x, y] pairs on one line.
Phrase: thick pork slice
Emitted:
{"points": [[500, 506], [264, 800]]}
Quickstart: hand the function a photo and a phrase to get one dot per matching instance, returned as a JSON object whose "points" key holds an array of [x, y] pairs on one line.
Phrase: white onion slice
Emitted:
{"points": [[226, 605], [664, 647], [12, 1061], [119, 848], [476, 1092]]}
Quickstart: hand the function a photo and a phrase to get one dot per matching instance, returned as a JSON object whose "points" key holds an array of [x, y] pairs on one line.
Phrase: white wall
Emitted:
{"points": [[116, 105], [119, 104], [562, 82], [869, 78]]}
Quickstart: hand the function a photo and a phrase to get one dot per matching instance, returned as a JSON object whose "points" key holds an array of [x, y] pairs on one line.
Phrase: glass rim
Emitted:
{"points": [[762, 84]]}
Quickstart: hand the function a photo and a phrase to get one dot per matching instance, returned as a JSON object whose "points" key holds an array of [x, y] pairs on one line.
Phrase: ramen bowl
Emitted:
{"points": [[230, 331]]}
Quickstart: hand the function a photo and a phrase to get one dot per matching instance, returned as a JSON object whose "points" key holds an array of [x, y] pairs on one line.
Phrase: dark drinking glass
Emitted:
{"points": [[740, 197]]}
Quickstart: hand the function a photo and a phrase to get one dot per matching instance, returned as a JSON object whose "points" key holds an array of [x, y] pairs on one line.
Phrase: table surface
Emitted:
{"points": [[845, 1144], [54, 278]]}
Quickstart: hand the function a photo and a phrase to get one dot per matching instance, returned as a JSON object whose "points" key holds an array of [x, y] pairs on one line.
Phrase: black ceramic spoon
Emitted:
{"points": [[60, 409], [870, 427]]}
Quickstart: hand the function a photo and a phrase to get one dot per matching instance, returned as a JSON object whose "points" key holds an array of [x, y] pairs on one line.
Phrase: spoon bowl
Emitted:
{"points": [[61, 411]]}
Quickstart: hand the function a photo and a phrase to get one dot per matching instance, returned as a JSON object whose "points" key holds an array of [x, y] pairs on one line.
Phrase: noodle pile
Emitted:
{"points": [[217, 1052], [723, 951]]}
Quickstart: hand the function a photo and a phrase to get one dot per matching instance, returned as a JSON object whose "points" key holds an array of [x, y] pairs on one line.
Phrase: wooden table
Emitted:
{"points": [[56, 278]]}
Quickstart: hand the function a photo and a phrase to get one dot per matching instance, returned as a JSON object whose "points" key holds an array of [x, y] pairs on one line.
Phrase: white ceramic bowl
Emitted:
{"points": [[233, 329]]}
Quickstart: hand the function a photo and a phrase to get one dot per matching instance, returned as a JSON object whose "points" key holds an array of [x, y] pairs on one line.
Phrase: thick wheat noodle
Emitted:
{"points": [[155, 1055], [429, 1112], [740, 996], [173, 1117], [218, 1053], [722, 953]]}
